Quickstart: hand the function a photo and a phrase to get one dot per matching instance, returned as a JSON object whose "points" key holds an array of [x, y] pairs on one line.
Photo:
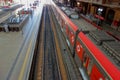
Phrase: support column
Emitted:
{"points": [[72, 3]]}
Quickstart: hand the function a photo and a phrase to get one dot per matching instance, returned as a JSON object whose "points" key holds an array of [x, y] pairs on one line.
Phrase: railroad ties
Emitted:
{"points": [[64, 54], [46, 63], [50, 61], [50, 70]]}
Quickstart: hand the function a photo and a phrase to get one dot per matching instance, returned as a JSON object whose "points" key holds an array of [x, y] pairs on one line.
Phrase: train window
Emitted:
{"points": [[89, 68], [87, 63], [84, 59], [64, 23], [72, 39], [61, 22], [96, 74], [79, 50]]}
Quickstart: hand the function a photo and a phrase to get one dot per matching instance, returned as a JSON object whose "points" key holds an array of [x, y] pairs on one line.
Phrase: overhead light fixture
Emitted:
{"points": [[78, 3], [100, 9]]}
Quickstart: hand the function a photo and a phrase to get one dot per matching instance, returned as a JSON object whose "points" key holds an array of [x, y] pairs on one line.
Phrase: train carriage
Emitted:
{"points": [[89, 65], [69, 34], [91, 61]]}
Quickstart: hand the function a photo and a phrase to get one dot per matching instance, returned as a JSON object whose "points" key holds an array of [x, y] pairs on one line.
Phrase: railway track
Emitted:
{"points": [[50, 61], [51, 71], [49, 67], [46, 65], [70, 65]]}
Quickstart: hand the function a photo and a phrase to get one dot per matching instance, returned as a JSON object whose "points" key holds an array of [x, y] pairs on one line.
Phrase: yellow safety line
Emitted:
{"points": [[41, 53], [25, 62]]}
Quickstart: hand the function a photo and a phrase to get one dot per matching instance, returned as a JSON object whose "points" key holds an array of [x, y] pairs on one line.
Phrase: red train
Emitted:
{"points": [[92, 62]]}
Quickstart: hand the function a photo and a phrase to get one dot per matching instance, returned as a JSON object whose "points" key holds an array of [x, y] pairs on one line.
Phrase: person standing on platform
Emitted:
{"points": [[6, 28]]}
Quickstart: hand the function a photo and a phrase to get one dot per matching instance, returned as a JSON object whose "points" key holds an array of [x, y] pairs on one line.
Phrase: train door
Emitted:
{"points": [[89, 67], [57, 15], [79, 50], [62, 22], [85, 60], [59, 19], [63, 25], [72, 37], [96, 74]]}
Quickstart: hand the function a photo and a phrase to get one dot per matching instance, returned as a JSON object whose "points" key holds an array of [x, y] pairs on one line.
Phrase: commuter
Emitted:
{"points": [[6, 28]]}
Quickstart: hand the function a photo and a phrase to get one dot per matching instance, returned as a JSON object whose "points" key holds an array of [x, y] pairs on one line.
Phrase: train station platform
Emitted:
{"points": [[16, 49], [104, 26], [5, 13], [86, 23]]}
